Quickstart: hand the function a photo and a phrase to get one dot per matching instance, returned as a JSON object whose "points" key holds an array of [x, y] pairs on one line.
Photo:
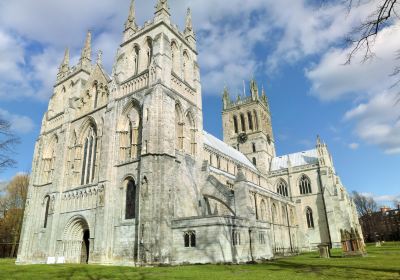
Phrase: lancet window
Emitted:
{"points": [[179, 126], [46, 210], [243, 122], [187, 68], [255, 120], [130, 200], [190, 135], [250, 118], [149, 51], [263, 208], [235, 124], [310, 218], [136, 57], [89, 156], [175, 58]]}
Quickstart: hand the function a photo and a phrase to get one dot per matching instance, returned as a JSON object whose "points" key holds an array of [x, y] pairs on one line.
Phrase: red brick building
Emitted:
{"points": [[381, 226]]}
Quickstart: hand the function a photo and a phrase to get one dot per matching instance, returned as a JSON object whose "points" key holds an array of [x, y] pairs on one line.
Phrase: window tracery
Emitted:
{"points": [[282, 188], [304, 185]]}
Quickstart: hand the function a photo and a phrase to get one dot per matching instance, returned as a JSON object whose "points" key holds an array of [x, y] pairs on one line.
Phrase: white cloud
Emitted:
{"points": [[387, 198], [354, 146], [19, 124], [376, 111], [377, 121], [332, 80]]}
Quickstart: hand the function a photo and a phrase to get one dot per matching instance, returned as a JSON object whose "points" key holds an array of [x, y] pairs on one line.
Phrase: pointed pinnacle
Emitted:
{"points": [[66, 57], [130, 22], [189, 23], [162, 7], [87, 50]]}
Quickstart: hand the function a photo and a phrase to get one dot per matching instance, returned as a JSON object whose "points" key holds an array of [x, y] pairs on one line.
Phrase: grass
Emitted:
{"points": [[381, 263]]}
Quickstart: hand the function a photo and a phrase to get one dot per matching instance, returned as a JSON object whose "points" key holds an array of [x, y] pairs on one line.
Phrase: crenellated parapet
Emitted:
{"points": [[243, 99]]}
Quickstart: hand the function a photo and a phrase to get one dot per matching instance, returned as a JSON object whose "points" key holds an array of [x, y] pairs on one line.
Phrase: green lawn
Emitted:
{"points": [[381, 263]]}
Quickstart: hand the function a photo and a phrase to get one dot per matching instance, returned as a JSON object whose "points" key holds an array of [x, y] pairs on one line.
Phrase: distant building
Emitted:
{"points": [[381, 226]]}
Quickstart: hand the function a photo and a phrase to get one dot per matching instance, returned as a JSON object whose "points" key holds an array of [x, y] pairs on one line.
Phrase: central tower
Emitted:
{"points": [[248, 128]]}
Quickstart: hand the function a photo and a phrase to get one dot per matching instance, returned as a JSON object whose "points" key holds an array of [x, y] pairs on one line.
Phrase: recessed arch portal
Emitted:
{"points": [[76, 240]]}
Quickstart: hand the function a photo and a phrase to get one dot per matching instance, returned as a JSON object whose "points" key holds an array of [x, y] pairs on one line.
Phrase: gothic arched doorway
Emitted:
{"points": [[76, 241]]}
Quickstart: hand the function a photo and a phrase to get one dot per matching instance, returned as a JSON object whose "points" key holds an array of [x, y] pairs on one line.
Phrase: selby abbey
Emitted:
{"points": [[124, 174]]}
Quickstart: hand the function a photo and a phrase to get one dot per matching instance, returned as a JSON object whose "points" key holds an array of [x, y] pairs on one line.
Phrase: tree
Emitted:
{"points": [[7, 142], [364, 204], [12, 206]]}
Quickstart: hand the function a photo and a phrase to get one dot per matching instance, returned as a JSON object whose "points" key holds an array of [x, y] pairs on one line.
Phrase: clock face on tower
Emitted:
{"points": [[242, 138]]}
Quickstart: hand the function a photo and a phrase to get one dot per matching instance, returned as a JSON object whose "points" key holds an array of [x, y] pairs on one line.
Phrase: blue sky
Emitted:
{"points": [[296, 53]]}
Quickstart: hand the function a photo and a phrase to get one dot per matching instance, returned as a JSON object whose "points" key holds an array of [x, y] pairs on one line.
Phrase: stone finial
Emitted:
{"points": [[99, 57], [189, 22], [254, 89], [162, 10], [319, 142], [65, 63], [264, 97], [189, 32], [64, 66], [87, 49], [131, 21], [225, 97]]}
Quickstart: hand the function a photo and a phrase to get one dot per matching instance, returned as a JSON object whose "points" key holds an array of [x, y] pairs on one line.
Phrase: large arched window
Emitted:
{"points": [[309, 217], [282, 188], [249, 116], [46, 210], [130, 200], [304, 185], [89, 156], [235, 124], [179, 126]]}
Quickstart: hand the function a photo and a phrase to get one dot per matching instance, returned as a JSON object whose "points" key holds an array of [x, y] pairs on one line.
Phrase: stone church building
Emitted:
{"points": [[124, 174]]}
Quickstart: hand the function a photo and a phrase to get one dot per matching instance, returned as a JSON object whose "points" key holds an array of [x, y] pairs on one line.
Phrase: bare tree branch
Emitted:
{"points": [[7, 143], [366, 33]]}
